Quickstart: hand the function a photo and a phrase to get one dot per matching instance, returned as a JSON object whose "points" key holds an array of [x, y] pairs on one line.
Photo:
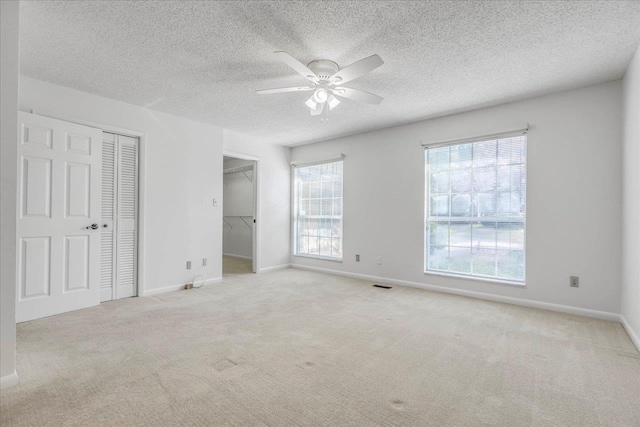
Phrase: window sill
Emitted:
{"points": [[476, 278], [322, 258]]}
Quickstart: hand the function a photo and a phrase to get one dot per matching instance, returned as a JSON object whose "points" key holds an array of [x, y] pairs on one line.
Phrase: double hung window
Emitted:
{"points": [[476, 209], [318, 211]]}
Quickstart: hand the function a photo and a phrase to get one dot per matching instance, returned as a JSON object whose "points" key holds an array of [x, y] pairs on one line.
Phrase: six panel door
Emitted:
{"points": [[59, 190]]}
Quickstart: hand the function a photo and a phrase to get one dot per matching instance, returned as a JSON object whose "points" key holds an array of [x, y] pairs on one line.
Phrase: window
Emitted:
{"points": [[475, 205], [318, 211]]}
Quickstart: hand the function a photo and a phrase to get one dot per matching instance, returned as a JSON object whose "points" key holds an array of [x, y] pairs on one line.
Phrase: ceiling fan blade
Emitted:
{"points": [[357, 95], [319, 109], [285, 89], [357, 69], [297, 66], [333, 102]]}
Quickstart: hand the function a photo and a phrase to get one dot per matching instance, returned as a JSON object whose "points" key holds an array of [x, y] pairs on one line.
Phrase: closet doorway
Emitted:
{"points": [[239, 205], [77, 230]]}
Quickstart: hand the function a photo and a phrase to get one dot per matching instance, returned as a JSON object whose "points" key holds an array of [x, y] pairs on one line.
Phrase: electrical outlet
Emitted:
{"points": [[215, 202], [379, 260], [574, 281], [204, 262], [357, 258], [188, 265]]}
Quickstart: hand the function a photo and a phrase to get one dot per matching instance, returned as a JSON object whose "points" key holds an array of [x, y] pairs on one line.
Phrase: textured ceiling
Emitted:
{"points": [[205, 60]]}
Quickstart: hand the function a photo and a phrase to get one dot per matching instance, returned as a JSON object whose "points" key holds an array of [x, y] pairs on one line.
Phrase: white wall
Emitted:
{"points": [[573, 200], [631, 201], [238, 200], [182, 173], [274, 197], [9, 72]]}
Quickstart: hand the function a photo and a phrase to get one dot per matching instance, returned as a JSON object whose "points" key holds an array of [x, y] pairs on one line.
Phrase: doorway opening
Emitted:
{"points": [[239, 215]]}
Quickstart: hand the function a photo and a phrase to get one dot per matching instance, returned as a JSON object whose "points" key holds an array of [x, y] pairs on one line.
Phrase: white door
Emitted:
{"points": [[118, 276], [58, 235], [108, 248]]}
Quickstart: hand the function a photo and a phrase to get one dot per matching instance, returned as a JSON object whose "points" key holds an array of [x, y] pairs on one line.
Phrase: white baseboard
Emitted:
{"points": [[173, 288], [149, 292], [237, 256], [632, 334], [472, 294], [8, 381], [274, 268], [214, 280]]}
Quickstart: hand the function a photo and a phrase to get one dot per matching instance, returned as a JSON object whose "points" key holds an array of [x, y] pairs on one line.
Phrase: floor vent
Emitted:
{"points": [[382, 286]]}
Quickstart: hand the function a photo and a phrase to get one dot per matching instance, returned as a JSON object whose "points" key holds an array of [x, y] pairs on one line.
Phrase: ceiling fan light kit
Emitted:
{"points": [[325, 76], [320, 96]]}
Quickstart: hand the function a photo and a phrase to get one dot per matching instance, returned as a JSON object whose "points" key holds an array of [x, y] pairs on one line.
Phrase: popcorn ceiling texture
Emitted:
{"points": [[205, 60]]}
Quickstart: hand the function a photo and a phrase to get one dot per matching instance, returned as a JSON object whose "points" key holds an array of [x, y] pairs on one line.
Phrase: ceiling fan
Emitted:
{"points": [[327, 79]]}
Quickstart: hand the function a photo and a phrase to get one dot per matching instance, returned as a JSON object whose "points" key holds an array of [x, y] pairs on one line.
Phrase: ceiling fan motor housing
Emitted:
{"points": [[323, 68]]}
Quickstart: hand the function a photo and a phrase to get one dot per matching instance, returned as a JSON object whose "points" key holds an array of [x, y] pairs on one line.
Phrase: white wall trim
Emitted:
{"points": [[632, 334], [173, 288], [239, 155], [212, 281], [472, 294], [8, 381], [236, 256], [274, 268]]}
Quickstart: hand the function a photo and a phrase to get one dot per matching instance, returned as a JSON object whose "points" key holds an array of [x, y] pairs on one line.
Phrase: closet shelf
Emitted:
{"points": [[241, 217], [243, 170]]}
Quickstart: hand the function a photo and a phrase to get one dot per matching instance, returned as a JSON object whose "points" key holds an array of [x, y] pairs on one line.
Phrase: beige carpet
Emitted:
{"points": [[300, 348], [233, 265]]}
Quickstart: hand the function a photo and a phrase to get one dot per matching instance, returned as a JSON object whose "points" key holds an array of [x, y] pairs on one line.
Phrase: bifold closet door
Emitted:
{"points": [[127, 218], [119, 217], [108, 248]]}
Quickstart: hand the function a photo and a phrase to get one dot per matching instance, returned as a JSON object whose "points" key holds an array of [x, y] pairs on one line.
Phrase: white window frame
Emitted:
{"points": [[426, 193], [294, 209]]}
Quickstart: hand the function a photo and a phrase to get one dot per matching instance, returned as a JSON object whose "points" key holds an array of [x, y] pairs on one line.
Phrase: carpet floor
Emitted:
{"points": [[233, 265], [294, 347]]}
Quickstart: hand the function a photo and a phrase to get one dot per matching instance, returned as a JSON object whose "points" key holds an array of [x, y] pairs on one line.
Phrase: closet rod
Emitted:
{"points": [[238, 170], [243, 170]]}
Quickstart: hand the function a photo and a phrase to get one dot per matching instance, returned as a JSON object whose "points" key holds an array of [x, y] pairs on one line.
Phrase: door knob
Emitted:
{"points": [[93, 227], [104, 225]]}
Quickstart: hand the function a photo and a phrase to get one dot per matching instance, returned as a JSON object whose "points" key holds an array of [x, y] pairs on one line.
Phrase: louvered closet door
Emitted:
{"points": [[127, 218], [120, 217], [107, 267]]}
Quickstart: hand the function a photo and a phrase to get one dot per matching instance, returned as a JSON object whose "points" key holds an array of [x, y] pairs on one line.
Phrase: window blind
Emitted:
{"points": [[318, 210], [476, 208]]}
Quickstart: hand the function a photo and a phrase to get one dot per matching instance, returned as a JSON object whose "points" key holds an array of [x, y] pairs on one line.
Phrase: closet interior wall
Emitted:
{"points": [[238, 208]]}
